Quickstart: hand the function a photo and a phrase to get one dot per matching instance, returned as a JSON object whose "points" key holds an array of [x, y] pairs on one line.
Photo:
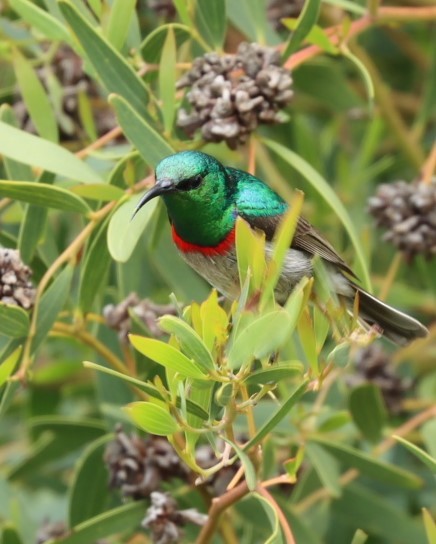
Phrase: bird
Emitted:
{"points": [[204, 199]]}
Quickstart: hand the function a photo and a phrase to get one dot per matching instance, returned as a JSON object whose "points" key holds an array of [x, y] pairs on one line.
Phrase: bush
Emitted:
{"points": [[194, 418]]}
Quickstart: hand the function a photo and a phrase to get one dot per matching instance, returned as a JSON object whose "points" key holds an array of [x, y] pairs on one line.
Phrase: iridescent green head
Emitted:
{"points": [[198, 194]]}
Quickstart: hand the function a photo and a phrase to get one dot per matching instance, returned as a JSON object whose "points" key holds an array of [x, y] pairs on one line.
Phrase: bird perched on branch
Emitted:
{"points": [[204, 200]]}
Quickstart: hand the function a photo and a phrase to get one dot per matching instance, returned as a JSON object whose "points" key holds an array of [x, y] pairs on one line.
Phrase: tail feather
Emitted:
{"points": [[399, 327]]}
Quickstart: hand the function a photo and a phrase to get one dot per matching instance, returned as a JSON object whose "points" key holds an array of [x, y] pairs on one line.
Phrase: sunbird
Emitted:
{"points": [[204, 198]]}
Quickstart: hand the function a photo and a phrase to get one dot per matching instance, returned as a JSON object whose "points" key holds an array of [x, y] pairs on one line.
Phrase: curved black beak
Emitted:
{"points": [[161, 187]]}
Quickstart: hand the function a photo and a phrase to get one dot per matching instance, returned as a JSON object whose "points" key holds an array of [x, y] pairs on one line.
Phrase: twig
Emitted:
{"points": [[282, 518], [429, 168]]}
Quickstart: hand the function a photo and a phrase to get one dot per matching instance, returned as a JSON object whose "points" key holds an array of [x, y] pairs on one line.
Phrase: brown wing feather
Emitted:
{"points": [[305, 238]]}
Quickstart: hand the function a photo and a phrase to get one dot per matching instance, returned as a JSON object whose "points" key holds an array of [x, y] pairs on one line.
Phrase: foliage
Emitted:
{"points": [[313, 455]]}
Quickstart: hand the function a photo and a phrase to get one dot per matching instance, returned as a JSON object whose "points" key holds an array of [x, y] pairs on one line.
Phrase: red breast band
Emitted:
{"points": [[220, 249]]}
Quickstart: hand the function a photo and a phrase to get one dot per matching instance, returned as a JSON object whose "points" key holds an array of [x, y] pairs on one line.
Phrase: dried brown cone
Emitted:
{"points": [[408, 212], [138, 466], [281, 9], [15, 285], [374, 365], [231, 95], [165, 520], [53, 530], [163, 8], [217, 483], [117, 316]]}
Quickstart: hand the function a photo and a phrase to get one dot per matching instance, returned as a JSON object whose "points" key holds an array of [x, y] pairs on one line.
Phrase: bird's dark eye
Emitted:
{"points": [[190, 183]]}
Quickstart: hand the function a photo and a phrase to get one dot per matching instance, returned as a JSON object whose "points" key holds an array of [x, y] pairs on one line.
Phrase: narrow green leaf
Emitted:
{"points": [[275, 373], [211, 21], [124, 232], [94, 269], [87, 501], [115, 73], [118, 25], [151, 146], [250, 251], [260, 338], [152, 418], [48, 25], [370, 466], [363, 72], [192, 407], [316, 36], [8, 395], [167, 356], [98, 191], [152, 45], [276, 536], [368, 410], [249, 470], [52, 302], [280, 413], [33, 224], [430, 526], [14, 169], [330, 197], [113, 521], [35, 98], [182, 10], [42, 194], [14, 321], [308, 340], [189, 340], [326, 467], [8, 365], [422, 455], [306, 21], [348, 5], [10, 535], [167, 80], [29, 149]]}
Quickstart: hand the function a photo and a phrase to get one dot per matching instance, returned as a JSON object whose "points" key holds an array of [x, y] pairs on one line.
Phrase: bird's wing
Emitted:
{"points": [[306, 238]]}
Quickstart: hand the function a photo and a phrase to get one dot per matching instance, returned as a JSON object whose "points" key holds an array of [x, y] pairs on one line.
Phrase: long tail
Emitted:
{"points": [[397, 326]]}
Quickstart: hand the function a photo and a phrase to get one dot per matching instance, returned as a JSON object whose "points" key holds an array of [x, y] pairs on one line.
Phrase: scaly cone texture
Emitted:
{"points": [[408, 212], [15, 285], [231, 95]]}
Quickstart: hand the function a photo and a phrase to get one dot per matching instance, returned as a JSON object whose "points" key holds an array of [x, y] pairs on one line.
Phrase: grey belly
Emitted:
{"points": [[221, 271]]}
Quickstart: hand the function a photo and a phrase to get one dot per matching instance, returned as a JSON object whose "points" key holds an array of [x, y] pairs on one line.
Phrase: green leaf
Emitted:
{"points": [[370, 90], [330, 197], [124, 232], [9, 364], [167, 80], [151, 47], [35, 98], [150, 389], [278, 415], [422, 455], [98, 191], [152, 418], [14, 169], [52, 302], [306, 21], [182, 10], [94, 270], [308, 340], [48, 25], [250, 251], [87, 501], [29, 149], [348, 5], [326, 467], [368, 410], [115, 73], [275, 373], [371, 512], [276, 536], [33, 224], [120, 17], [249, 470], [260, 338], [10, 535], [151, 146], [430, 526], [167, 356], [369, 466], [189, 340], [117, 520], [14, 321], [316, 36], [42, 194], [211, 21]]}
